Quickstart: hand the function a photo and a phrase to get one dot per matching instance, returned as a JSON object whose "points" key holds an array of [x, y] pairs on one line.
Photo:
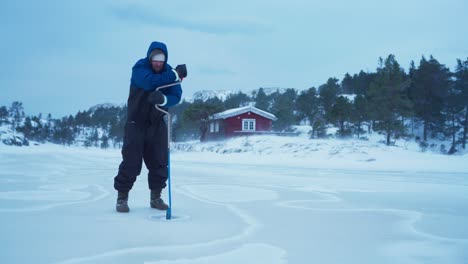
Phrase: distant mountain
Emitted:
{"points": [[208, 94], [223, 94], [270, 90], [105, 105]]}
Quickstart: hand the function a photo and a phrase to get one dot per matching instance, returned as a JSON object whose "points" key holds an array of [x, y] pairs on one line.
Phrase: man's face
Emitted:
{"points": [[157, 66]]}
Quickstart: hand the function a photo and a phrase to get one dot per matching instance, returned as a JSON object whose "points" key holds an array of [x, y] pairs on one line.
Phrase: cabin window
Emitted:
{"points": [[214, 127], [248, 124]]}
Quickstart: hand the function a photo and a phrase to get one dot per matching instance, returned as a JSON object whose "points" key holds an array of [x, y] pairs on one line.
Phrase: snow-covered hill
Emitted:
{"points": [[104, 105], [223, 94], [208, 94], [330, 153], [9, 137]]}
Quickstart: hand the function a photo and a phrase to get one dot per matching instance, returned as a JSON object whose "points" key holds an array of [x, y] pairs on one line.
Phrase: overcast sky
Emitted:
{"points": [[60, 57]]}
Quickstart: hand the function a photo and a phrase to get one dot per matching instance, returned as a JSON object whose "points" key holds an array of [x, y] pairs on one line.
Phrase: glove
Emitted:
{"points": [[181, 70], [156, 97]]}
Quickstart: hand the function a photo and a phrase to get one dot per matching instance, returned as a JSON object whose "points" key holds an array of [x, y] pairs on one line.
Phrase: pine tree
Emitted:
{"points": [[461, 88], [182, 129], [3, 115], [319, 128], [16, 111], [283, 108], [328, 94], [388, 97], [341, 113], [347, 84], [236, 100], [429, 86], [38, 127], [104, 141], [62, 132], [87, 143], [45, 133], [82, 119], [200, 112], [94, 137], [116, 133], [451, 110], [415, 121], [308, 107], [362, 82], [360, 113], [48, 131], [49, 119], [26, 128], [262, 100]]}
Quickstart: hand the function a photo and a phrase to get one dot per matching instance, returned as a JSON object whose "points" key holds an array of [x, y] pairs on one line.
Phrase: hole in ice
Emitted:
{"points": [[162, 217]]}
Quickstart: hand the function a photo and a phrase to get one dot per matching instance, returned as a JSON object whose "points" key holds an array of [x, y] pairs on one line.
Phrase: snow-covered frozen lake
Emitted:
{"points": [[57, 205]]}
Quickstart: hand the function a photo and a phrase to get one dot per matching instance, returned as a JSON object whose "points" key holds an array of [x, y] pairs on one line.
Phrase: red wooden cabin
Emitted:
{"points": [[246, 120]]}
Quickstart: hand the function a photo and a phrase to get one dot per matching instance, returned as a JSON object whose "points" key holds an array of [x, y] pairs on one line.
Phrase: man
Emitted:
{"points": [[145, 130]]}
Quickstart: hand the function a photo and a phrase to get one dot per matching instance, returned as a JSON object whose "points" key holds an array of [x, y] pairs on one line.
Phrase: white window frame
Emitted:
{"points": [[249, 124], [214, 127]]}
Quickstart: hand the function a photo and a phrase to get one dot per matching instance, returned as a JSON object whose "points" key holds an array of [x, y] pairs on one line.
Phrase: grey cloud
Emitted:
{"points": [[140, 14]]}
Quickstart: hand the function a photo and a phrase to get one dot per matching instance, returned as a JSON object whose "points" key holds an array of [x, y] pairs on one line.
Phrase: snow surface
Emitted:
{"points": [[246, 200]]}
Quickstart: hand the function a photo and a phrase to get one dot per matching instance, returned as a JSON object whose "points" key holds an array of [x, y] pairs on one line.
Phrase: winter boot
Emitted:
{"points": [[122, 202], [156, 201]]}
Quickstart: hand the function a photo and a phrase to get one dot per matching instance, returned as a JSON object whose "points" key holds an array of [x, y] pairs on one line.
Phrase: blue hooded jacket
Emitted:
{"points": [[143, 76], [144, 81]]}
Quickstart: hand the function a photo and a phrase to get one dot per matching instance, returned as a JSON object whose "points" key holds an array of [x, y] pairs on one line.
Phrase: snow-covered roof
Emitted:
{"points": [[237, 111]]}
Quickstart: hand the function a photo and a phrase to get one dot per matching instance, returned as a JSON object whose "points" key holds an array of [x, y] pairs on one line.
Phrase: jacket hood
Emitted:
{"points": [[157, 45]]}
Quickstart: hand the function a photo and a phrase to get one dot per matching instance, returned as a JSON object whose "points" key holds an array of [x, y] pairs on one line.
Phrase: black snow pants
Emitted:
{"points": [[148, 143]]}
